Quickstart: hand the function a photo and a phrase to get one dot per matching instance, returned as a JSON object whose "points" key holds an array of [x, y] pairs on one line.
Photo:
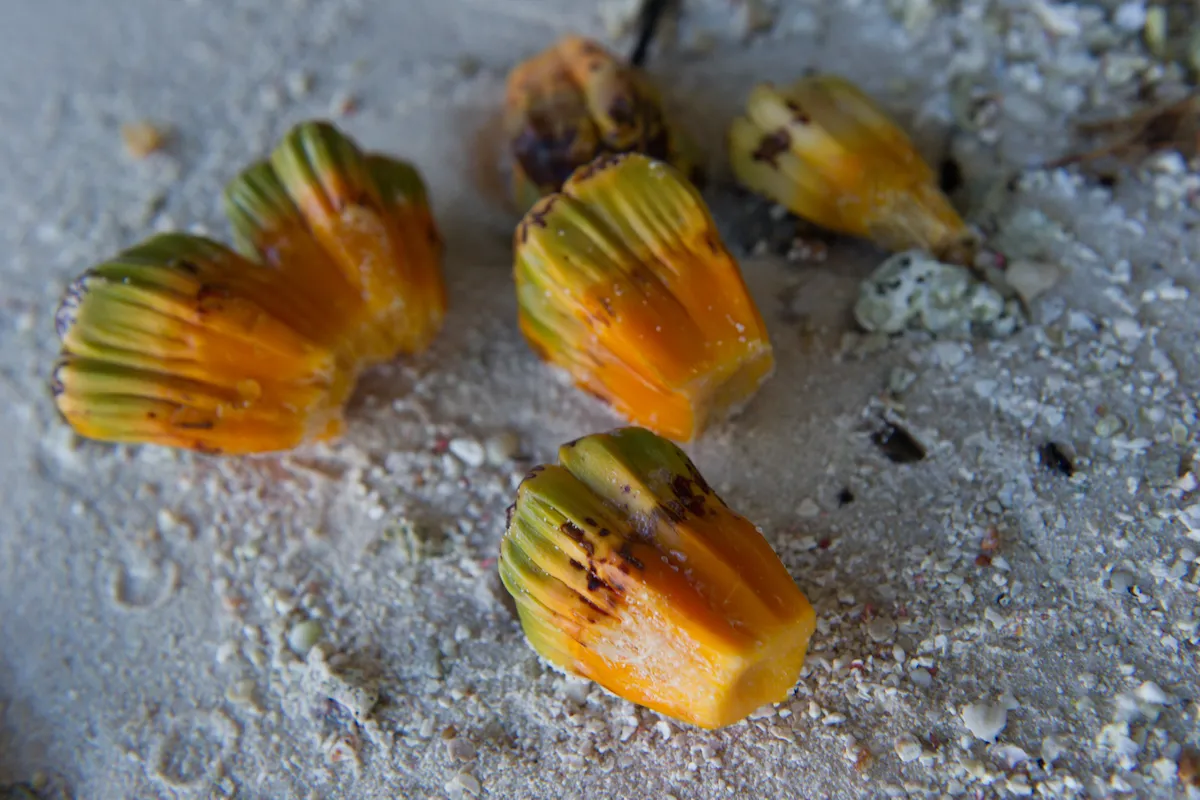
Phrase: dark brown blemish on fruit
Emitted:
{"points": [[798, 113], [537, 215], [593, 606], [772, 146], [693, 502], [622, 111], [673, 510], [206, 425], [596, 582], [544, 149], [695, 475], [626, 553], [577, 535]]}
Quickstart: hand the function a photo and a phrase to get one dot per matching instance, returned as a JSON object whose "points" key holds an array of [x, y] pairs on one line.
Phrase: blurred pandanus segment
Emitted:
{"points": [[622, 280], [823, 149], [575, 102]]}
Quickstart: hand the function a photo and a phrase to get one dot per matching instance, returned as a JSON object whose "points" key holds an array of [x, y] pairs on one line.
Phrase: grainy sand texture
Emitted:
{"points": [[1000, 618]]}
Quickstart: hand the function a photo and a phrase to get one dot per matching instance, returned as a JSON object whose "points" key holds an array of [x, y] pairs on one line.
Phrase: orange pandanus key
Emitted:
{"points": [[823, 149], [623, 281], [354, 227], [627, 569], [182, 342]]}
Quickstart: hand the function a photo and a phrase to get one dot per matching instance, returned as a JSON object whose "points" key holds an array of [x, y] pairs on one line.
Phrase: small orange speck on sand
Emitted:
{"points": [[143, 138]]}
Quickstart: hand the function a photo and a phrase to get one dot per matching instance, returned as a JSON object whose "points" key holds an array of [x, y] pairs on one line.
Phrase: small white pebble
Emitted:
{"points": [[1120, 581], [1010, 756], [469, 451], [1053, 747], [270, 97], [881, 629], [463, 782], [169, 524], [1127, 328], [303, 635], [460, 749], [908, 748], [921, 677], [1165, 771], [1058, 20], [985, 720], [298, 84], [343, 103], [1131, 17], [226, 652], [948, 354], [985, 388], [501, 447], [1018, 785], [1151, 692], [763, 712], [808, 509]]}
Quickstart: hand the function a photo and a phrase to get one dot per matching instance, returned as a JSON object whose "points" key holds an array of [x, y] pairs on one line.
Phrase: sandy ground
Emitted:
{"points": [[153, 602]]}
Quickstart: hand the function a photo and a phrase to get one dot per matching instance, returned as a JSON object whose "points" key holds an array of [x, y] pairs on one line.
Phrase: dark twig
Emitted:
{"points": [[651, 15], [1175, 125]]}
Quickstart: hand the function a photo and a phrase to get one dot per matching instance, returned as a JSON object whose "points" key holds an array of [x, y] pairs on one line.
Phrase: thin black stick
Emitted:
{"points": [[652, 14]]}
